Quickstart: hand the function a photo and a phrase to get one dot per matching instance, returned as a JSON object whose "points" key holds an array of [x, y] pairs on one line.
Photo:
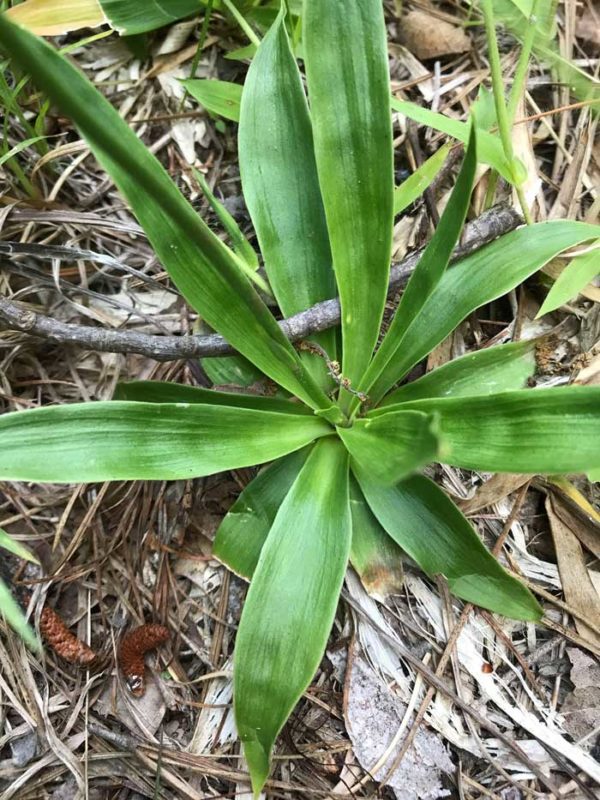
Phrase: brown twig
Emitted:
{"points": [[322, 316]]}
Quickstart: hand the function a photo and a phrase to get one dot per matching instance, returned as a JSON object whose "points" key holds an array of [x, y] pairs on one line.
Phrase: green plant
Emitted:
{"points": [[346, 445], [9, 607], [572, 280]]}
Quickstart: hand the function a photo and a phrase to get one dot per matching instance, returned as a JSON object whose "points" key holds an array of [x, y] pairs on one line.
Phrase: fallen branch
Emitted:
{"points": [[489, 226]]}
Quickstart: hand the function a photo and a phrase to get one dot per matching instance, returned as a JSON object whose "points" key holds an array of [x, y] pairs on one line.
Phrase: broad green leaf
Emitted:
{"points": [[348, 87], [574, 277], [489, 146], [431, 529], [231, 371], [421, 178], [279, 177], [374, 555], [431, 265], [218, 97], [13, 614], [162, 392], [514, 14], [393, 446], [244, 529], [480, 278], [241, 245], [488, 371], [205, 270], [483, 109], [118, 440], [245, 53], [530, 431], [291, 603], [16, 548], [129, 17]]}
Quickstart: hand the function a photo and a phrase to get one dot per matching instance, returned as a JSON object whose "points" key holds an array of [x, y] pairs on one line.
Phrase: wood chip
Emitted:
{"points": [[576, 518]]}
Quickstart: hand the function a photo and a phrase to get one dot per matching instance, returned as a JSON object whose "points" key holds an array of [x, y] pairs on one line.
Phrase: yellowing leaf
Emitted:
{"points": [[53, 17]]}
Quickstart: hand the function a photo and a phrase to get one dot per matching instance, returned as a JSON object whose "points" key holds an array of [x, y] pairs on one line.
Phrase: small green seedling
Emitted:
{"points": [[345, 443]]}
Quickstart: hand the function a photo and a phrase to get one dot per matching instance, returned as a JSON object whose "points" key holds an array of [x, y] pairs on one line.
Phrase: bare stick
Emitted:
{"points": [[326, 314]]}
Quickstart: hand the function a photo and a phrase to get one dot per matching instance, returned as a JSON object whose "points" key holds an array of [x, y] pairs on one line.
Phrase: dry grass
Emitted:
{"points": [[116, 555]]}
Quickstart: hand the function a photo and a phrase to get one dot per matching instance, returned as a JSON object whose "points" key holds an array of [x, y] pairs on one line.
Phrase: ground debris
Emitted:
{"points": [[428, 37], [374, 715], [581, 706]]}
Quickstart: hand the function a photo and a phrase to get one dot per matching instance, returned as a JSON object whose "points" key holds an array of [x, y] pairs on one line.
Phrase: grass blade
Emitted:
{"points": [[16, 548], [431, 266], [489, 150], [574, 277], [13, 614], [164, 392], [241, 245], [281, 185], [279, 177], [421, 178]]}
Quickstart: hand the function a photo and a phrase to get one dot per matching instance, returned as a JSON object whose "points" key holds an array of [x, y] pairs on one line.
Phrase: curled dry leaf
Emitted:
{"points": [[429, 38], [132, 651], [574, 511], [492, 491], [580, 592]]}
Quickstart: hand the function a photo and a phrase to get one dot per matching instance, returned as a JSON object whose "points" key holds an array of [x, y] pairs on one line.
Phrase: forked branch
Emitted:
{"points": [[326, 314]]}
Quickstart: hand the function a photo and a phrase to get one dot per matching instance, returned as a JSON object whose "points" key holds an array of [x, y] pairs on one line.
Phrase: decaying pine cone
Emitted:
{"points": [[62, 641], [132, 650]]}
